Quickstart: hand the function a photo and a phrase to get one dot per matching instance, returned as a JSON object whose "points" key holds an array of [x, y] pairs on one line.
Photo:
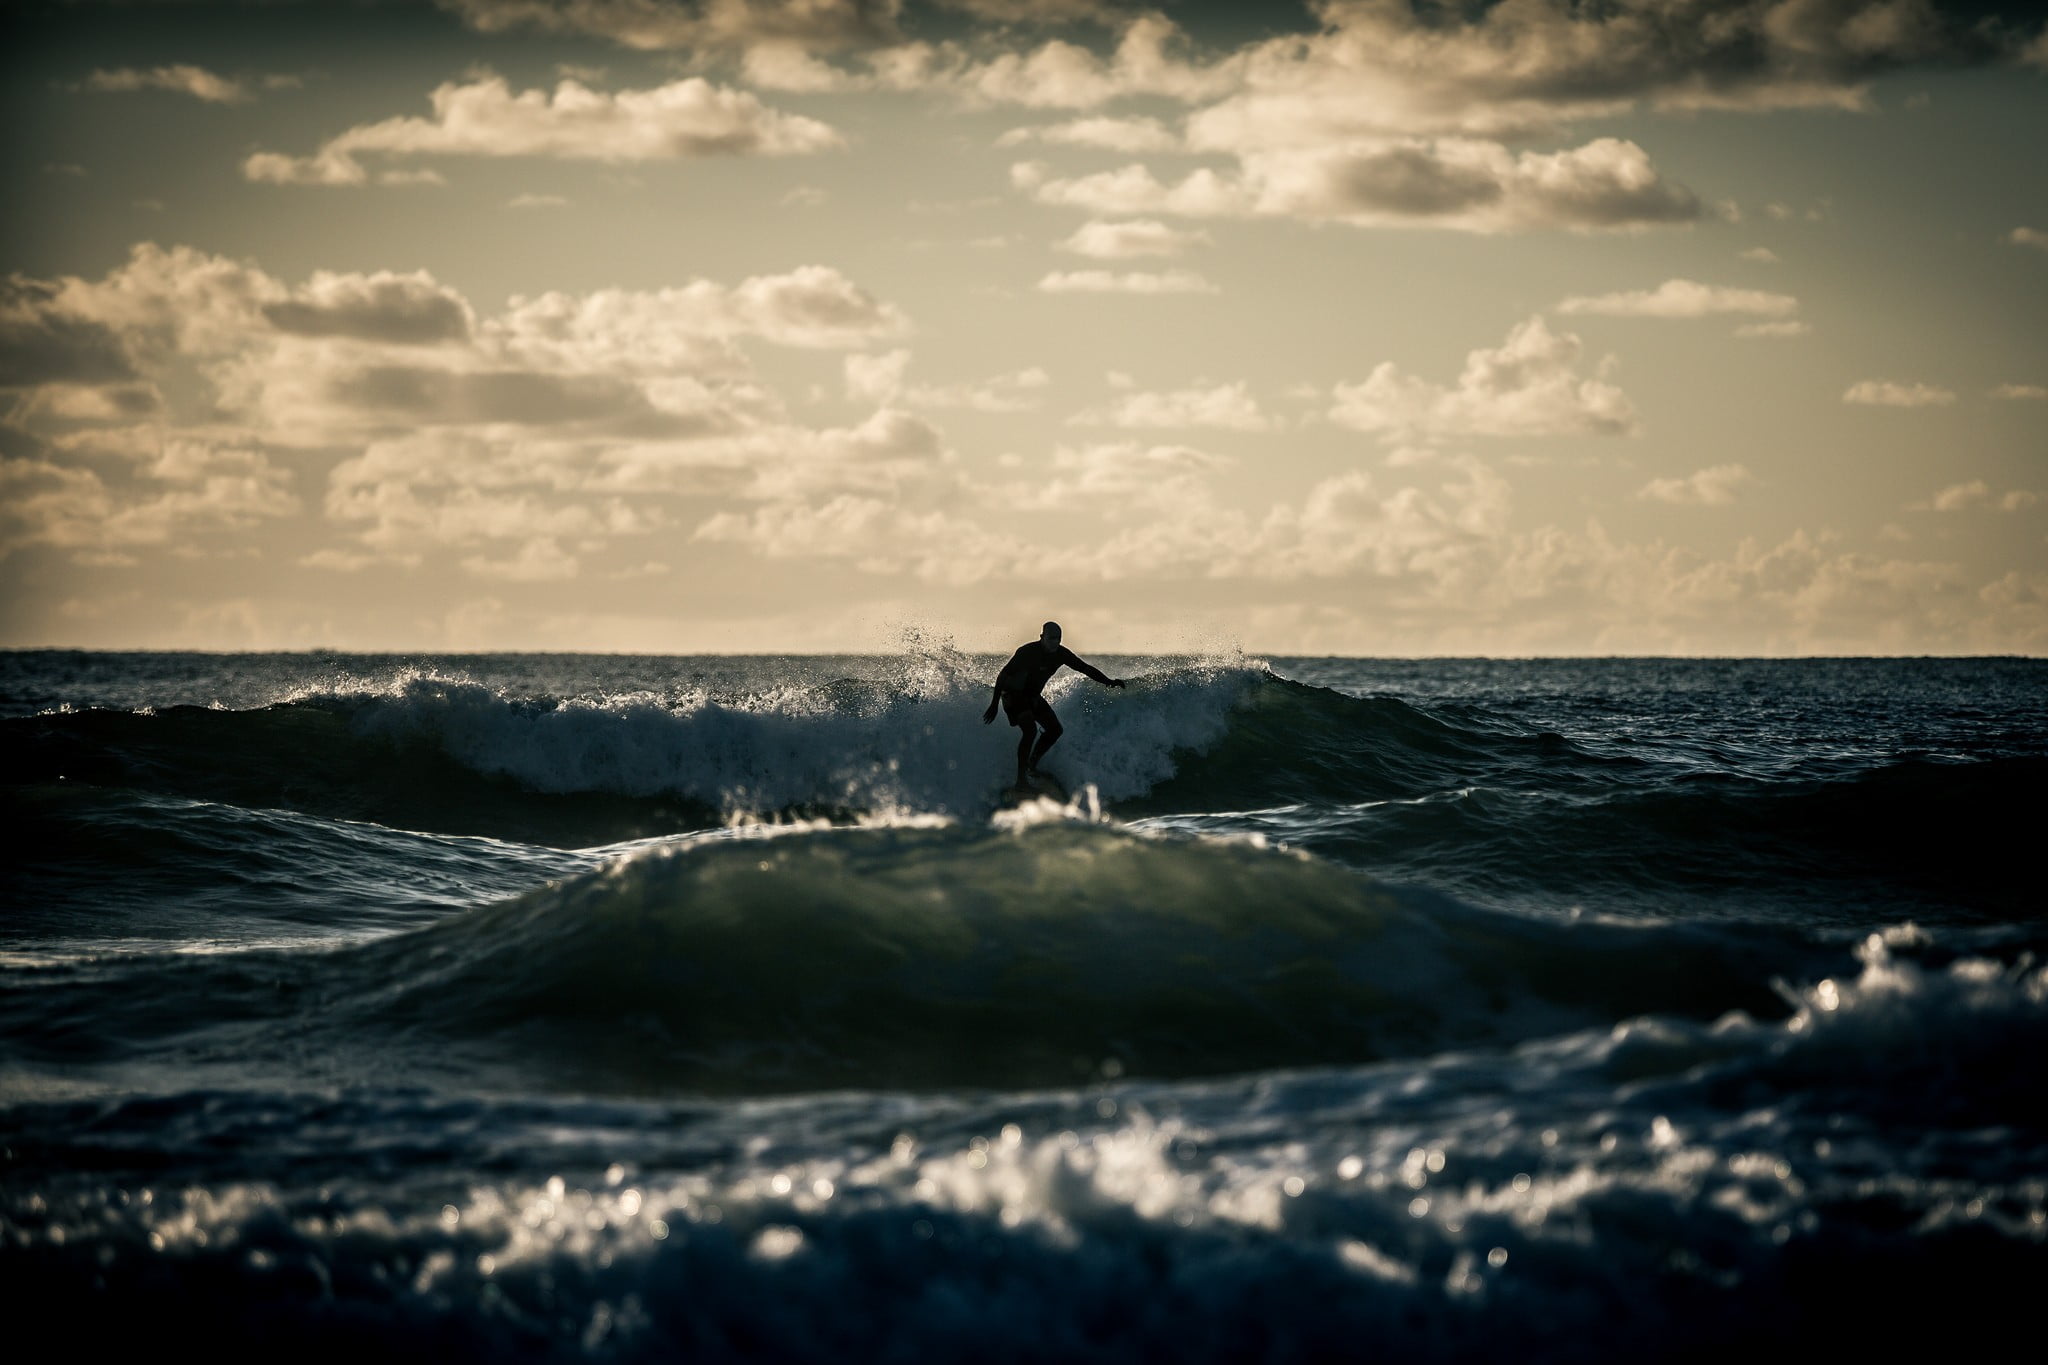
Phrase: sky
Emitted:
{"points": [[1687, 327]]}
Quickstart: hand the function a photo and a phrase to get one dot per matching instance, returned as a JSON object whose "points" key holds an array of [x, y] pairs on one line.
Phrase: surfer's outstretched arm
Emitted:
{"points": [[1086, 669], [988, 717]]}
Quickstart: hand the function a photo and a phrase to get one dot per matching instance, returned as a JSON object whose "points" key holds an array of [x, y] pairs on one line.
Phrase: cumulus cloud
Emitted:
{"points": [[1148, 59], [535, 561], [43, 342], [1138, 237], [1129, 135], [1762, 255], [2023, 392], [1462, 184], [1105, 12], [1717, 486], [690, 327], [1227, 407], [1128, 282], [411, 309], [1886, 394], [1773, 331], [1975, 495], [523, 439], [881, 379], [1527, 386], [187, 489], [2026, 236], [195, 81], [484, 117], [656, 25], [1683, 299], [876, 535], [1133, 189], [1471, 185], [1369, 67], [1093, 478], [158, 303], [1387, 66]]}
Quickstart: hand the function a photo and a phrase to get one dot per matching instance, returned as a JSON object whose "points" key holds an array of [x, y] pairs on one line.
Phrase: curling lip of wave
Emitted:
{"points": [[456, 756]]}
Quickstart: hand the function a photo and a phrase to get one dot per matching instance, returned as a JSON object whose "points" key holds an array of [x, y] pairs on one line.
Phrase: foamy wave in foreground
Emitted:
{"points": [[1613, 1195]]}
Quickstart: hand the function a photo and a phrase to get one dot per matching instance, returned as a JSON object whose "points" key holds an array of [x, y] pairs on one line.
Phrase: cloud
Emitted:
{"points": [[1884, 393], [657, 25], [1713, 487], [880, 379], [1226, 407], [1104, 12], [1129, 135], [876, 535], [1975, 494], [188, 489], [406, 310], [1137, 237], [1387, 66], [1129, 282], [1528, 386], [813, 306], [195, 81], [2026, 236], [525, 439], [691, 327], [1763, 255], [440, 488], [1472, 186], [685, 118], [1111, 478], [1148, 60], [1390, 67], [44, 342], [1133, 189], [536, 201], [1683, 299], [1773, 331], [536, 561], [2035, 392], [1461, 184], [63, 404]]}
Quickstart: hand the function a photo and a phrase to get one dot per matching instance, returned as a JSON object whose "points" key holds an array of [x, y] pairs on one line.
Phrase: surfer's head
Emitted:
{"points": [[1050, 636]]}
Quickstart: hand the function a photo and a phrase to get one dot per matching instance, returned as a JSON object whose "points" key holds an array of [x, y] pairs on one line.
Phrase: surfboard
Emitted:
{"points": [[1033, 787]]}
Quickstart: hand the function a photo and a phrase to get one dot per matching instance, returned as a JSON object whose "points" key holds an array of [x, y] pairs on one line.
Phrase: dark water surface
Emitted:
{"points": [[549, 1006]]}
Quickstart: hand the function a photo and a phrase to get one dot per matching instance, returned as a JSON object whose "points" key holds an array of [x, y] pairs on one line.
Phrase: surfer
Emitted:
{"points": [[1020, 690]]}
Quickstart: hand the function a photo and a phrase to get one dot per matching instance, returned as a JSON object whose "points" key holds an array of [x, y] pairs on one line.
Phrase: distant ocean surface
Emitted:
{"points": [[546, 1007]]}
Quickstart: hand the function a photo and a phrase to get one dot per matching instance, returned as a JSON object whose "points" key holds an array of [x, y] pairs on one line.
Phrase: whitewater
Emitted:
{"points": [[545, 1007]]}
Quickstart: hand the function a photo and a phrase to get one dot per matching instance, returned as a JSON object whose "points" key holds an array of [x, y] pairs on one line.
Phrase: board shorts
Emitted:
{"points": [[1023, 707]]}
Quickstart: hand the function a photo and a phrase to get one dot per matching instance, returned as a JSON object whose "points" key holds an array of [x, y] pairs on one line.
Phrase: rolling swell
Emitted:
{"points": [[1910, 838], [319, 756], [913, 958], [1453, 796]]}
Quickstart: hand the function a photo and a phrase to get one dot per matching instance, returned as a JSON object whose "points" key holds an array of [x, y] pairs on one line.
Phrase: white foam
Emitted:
{"points": [[918, 746]]}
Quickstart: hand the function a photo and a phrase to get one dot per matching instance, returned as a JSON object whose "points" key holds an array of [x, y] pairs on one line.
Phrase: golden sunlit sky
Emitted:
{"points": [[1368, 326]]}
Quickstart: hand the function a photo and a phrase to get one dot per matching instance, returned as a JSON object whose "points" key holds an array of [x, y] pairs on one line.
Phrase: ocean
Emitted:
{"points": [[550, 1007]]}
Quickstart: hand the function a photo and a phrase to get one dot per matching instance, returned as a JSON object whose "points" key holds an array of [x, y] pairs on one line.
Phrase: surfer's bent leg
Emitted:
{"points": [[1027, 731], [1053, 730]]}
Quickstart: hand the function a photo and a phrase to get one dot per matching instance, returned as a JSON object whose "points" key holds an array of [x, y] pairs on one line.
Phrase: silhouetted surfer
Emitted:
{"points": [[1020, 687]]}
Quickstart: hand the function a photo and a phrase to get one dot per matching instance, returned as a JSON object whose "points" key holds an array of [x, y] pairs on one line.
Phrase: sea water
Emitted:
{"points": [[546, 1007]]}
